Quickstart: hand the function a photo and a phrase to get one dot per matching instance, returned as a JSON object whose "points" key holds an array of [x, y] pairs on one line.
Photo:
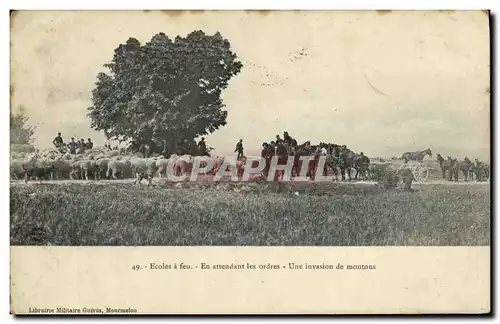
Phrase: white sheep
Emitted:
{"points": [[68, 157], [44, 162], [18, 166], [182, 164], [115, 168], [88, 167], [95, 151], [102, 167], [78, 157], [63, 167], [161, 166], [75, 170], [127, 172], [143, 169], [112, 153]]}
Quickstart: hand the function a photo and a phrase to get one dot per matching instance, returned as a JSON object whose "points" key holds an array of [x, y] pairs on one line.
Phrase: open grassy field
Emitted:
{"points": [[259, 214]]}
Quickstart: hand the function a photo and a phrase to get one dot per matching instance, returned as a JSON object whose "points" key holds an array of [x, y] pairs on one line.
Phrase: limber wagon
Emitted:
{"points": [[421, 170]]}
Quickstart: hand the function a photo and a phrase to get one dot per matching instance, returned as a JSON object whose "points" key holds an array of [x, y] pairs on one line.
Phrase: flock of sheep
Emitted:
{"points": [[97, 163]]}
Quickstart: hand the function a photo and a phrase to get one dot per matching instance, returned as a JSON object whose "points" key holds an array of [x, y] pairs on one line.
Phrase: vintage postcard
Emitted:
{"points": [[250, 162]]}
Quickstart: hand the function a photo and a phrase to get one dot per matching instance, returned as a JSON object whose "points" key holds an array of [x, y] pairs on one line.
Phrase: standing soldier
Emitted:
{"points": [[364, 164], [58, 141], [81, 146], [72, 146], [239, 149], [407, 178], [89, 145], [278, 140], [202, 146]]}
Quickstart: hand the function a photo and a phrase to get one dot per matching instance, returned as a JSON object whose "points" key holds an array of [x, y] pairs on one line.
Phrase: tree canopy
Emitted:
{"points": [[164, 93], [20, 131]]}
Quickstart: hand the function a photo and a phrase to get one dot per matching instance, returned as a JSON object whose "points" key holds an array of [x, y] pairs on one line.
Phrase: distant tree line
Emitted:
{"points": [[20, 131]]}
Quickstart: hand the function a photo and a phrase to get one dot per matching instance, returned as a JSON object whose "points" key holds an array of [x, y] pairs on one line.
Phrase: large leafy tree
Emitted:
{"points": [[20, 131], [164, 93]]}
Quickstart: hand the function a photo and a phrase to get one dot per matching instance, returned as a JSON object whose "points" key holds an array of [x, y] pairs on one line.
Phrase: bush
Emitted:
{"points": [[385, 174]]}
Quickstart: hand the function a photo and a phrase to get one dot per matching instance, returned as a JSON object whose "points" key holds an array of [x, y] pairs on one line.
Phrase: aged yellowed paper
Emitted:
{"points": [[250, 162]]}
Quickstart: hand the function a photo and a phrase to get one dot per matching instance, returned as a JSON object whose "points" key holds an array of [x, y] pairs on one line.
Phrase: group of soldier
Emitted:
{"points": [[73, 147]]}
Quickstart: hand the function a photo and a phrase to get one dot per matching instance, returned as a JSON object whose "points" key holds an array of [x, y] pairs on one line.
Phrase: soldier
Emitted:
{"points": [[89, 145], [239, 149], [407, 178], [58, 141], [364, 164], [81, 146], [72, 146], [278, 140], [202, 146]]}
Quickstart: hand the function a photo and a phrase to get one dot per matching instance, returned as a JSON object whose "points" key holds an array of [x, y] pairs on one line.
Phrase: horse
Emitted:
{"points": [[282, 152], [445, 165], [308, 143], [288, 139], [333, 160], [267, 153], [310, 150], [361, 165], [416, 156], [454, 170], [198, 151], [347, 162], [297, 162], [482, 170], [466, 167]]}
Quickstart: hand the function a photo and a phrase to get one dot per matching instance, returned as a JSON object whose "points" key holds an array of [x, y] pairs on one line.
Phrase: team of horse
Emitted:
{"points": [[337, 158], [452, 167]]}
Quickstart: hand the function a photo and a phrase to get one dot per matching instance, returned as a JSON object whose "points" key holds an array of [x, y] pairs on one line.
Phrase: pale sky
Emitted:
{"points": [[383, 84]]}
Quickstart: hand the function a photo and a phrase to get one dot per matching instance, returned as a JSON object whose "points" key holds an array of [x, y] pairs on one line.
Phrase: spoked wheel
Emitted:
{"points": [[420, 172]]}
